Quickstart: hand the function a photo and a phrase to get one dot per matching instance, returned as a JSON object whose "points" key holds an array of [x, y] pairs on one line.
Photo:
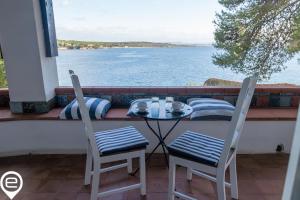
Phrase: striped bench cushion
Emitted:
{"points": [[97, 108], [211, 109], [120, 140], [197, 147]]}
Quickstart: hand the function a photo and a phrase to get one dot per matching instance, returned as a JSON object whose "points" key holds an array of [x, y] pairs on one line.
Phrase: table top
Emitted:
{"points": [[162, 110]]}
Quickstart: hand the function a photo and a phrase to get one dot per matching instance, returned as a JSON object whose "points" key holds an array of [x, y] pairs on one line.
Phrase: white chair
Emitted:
{"points": [[108, 146], [292, 180], [209, 157]]}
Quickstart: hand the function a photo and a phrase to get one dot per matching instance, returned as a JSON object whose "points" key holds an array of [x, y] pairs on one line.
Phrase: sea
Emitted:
{"points": [[182, 66]]}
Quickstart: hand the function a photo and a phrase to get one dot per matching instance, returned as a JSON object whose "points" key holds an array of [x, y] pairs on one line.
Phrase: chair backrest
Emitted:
{"points": [[238, 119], [292, 179], [83, 111]]}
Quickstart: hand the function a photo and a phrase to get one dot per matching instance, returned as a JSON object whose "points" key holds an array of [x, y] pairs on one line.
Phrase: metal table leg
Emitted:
{"points": [[160, 143]]}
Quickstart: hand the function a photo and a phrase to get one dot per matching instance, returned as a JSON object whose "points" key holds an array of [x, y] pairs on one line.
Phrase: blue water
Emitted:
{"points": [[152, 67]]}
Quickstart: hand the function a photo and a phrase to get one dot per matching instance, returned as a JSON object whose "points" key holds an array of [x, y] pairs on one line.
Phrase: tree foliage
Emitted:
{"points": [[3, 81], [257, 36]]}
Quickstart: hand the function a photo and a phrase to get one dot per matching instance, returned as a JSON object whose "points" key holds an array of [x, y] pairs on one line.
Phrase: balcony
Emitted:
{"points": [[49, 152]]}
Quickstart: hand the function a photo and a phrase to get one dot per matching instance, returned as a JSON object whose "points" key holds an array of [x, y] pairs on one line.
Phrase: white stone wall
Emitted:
{"points": [[38, 137]]}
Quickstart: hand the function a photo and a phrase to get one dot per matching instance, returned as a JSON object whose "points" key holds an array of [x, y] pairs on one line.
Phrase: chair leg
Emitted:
{"points": [[129, 165], [88, 168], [221, 185], [189, 174], [233, 179], [96, 181], [143, 173], [172, 175]]}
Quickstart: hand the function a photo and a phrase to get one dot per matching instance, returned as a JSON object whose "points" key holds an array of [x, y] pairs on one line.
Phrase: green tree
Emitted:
{"points": [[3, 82], [257, 36]]}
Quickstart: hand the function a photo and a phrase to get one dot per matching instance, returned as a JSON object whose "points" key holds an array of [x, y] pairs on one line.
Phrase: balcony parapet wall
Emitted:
{"points": [[264, 97]]}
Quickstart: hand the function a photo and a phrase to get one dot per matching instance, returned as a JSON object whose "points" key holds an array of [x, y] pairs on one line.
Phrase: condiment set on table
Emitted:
{"points": [[170, 105]]}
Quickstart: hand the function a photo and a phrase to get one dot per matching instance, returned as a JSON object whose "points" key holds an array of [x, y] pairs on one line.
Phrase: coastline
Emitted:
{"points": [[63, 48], [83, 45]]}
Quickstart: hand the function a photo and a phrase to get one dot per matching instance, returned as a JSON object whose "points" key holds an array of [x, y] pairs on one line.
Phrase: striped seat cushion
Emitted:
{"points": [[197, 147], [97, 108], [211, 109], [120, 140]]}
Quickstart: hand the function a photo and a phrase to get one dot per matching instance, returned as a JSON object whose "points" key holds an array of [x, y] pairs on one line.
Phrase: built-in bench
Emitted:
{"points": [[264, 130], [254, 114], [270, 120]]}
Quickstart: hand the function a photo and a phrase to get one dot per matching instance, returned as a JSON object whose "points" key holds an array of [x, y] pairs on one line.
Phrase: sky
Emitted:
{"points": [[175, 21]]}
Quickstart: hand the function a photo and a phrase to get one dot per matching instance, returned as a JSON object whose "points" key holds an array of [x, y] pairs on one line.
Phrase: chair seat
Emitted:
{"points": [[197, 147], [120, 140]]}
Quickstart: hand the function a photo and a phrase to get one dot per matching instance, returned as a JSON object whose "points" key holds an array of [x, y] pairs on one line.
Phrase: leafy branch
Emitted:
{"points": [[3, 82], [257, 36]]}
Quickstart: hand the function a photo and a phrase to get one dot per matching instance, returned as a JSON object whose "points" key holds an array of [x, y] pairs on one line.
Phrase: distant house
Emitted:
{"points": [[90, 46]]}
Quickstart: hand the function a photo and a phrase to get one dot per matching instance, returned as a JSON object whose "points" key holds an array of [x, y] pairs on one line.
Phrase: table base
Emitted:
{"points": [[161, 141]]}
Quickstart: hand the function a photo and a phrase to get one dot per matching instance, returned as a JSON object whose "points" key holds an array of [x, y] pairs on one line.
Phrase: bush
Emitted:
{"points": [[3, 81]]}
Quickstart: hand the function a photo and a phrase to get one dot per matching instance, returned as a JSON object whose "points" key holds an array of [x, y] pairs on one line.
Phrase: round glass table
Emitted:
{"points": [[161, 111]]}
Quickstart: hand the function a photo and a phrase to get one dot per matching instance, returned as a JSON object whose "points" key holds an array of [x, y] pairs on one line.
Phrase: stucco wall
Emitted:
{"points": [[23, 137]]}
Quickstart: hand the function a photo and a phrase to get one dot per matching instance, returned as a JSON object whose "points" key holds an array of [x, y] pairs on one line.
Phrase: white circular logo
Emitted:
{"points": [[11, 183]]}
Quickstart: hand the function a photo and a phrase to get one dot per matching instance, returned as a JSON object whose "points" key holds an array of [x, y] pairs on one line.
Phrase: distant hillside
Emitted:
{"points": [[74, 44]]}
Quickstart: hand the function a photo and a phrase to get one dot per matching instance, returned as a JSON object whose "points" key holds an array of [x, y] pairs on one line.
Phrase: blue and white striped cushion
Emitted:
{"points": [[97, 108], [120, 140], [197, 147], [211, 109]]}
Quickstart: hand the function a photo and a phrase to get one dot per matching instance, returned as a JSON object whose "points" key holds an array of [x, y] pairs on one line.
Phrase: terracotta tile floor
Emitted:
{"points": [[60, 177]]}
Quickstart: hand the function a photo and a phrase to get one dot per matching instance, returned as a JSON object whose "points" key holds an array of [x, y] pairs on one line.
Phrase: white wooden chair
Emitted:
{"points": [[108, 146], [292, 179], [209, 157]]}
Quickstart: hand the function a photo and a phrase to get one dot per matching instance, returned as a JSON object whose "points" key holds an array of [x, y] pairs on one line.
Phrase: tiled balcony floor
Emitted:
{"points": [[260, 177]]}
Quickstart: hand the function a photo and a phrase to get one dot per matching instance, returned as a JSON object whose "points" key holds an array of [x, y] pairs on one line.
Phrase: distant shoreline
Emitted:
{"points": [[85, 45], [66, 49]]}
